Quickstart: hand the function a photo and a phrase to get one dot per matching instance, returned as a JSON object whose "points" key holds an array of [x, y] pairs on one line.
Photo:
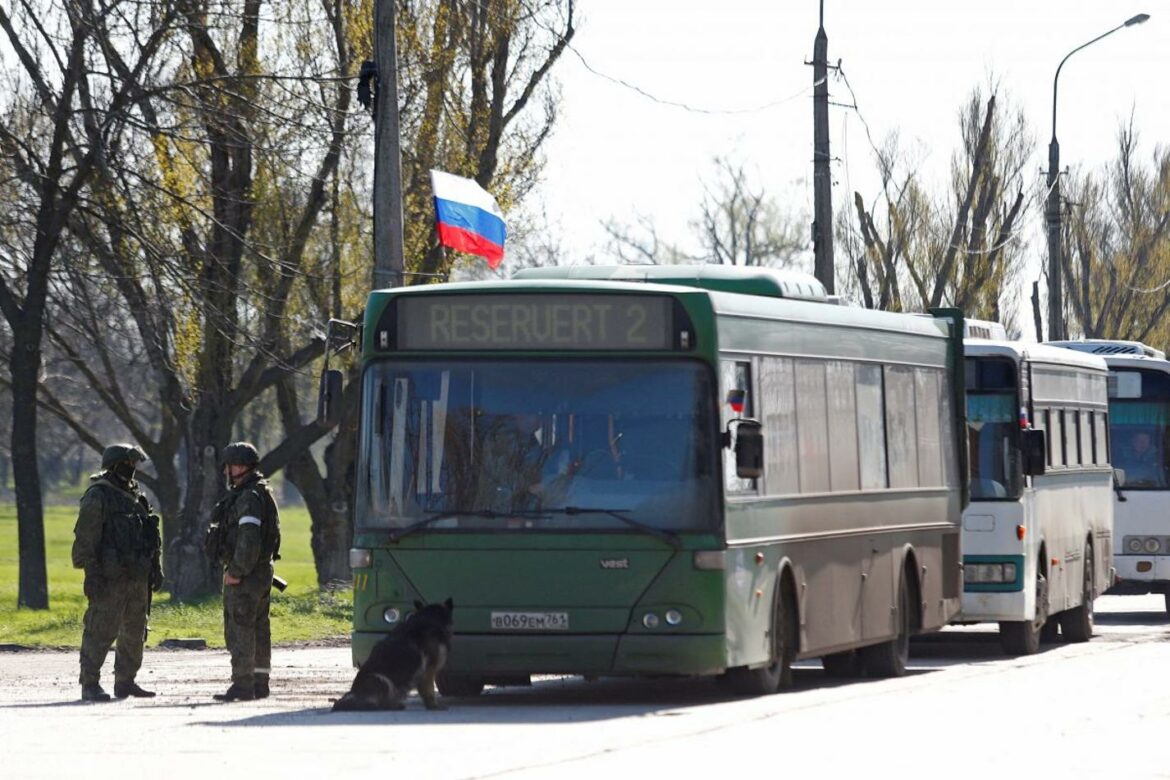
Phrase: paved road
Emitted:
{"points": [[1095, 710]]}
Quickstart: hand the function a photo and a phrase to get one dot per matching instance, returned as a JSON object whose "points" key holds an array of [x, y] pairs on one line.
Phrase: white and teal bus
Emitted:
{"points": [[1037, 535], [1139, 425]]}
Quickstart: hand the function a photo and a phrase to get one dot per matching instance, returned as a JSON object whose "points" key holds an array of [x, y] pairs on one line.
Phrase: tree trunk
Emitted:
{"points": [[192, 574], [329, 500], [33, 588]]}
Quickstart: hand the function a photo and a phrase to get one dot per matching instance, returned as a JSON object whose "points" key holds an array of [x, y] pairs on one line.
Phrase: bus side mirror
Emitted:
{"points": [[749, 449], [329, 398], [1035, 452]]}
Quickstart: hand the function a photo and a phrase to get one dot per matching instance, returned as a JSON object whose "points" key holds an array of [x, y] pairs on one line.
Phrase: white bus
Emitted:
{"points": [[1139, 426], [1037, 535]]}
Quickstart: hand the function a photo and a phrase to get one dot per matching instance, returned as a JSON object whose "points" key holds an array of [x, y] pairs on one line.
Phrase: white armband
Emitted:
{"points": [[249, 520]]}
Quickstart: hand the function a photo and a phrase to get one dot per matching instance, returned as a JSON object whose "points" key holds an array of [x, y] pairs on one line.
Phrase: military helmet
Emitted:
{"points": [[118, 453], [240, 453]]}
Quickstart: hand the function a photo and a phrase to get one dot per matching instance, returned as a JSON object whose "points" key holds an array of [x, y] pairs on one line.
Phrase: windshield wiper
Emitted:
{"points": [[669, 537], [446, 514]]}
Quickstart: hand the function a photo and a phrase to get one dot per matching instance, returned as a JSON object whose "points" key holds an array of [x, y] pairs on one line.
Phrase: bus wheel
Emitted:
{"points": [[889, 659], [458, 684], [846, 664], [778, 674], [1077, 623], [1022, 637]]}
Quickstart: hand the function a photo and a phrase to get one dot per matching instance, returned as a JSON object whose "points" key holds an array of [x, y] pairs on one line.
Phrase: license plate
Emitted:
{"points": [[530, 621]]}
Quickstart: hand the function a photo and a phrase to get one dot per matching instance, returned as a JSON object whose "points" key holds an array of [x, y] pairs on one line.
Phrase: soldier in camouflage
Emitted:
{"points": [[118, 544], [244, 537]]}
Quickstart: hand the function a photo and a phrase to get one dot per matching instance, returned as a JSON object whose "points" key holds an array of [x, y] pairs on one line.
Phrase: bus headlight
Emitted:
{"points": [[391, 615], [708, 560], [1133, 544], [673, 617], [1152, 544], [650, 620], [359, 558]]}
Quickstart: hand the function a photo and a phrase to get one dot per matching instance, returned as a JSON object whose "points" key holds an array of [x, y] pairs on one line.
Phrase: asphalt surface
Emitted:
{"points": [[1100, 709]]}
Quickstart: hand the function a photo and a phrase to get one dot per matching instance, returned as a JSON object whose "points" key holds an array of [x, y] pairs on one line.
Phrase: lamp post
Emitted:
{"points": [[1056, 330]]}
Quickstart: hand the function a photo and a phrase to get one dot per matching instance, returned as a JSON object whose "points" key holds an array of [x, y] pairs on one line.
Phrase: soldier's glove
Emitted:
{"points": [[156, 577]]}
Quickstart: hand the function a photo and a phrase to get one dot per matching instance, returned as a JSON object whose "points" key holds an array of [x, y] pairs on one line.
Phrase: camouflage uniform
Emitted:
{"points": [[245, 534], [117, 543]]}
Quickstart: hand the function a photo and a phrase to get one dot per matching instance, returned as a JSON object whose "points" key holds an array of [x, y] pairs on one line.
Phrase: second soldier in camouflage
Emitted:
{"points": [[244, 537]]}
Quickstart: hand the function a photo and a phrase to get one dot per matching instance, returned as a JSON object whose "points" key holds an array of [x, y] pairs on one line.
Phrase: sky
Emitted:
{"points": [[617, 153]]}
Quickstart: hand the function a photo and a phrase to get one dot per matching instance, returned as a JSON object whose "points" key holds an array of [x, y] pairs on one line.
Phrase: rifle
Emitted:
{"points": [[149, 600]]}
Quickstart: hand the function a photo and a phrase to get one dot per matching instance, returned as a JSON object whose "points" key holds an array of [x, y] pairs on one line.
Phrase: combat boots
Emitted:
{"points": [[94, 692], [236, 692], [260, 689], [124, 689]]}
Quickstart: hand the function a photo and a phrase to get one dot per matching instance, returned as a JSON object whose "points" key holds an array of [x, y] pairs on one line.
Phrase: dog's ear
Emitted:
{"points": [[449, 604], [418, 604]]}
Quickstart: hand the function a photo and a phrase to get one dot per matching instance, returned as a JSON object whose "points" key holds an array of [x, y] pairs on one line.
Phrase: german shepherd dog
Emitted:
{"points": [[410, 656]]}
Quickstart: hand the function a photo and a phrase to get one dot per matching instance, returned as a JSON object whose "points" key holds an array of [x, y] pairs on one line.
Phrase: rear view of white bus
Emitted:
{"points": [[1037, 535], [1139, 425]]}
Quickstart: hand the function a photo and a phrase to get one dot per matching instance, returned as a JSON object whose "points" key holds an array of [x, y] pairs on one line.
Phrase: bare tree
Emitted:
{"points": [[738, 223], [961, 253], [1117, 260], [64, 110]]}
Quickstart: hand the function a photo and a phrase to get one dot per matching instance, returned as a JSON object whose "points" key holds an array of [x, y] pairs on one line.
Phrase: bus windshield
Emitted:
{"points": [[992, 429], [1139, 426], [528, 444]]}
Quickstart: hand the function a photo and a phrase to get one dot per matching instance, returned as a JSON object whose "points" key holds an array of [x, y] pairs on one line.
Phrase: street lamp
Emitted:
{"points": [[1055, 290]]}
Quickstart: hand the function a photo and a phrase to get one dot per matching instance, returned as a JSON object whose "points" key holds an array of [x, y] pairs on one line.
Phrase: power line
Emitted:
{"points": [[686, 106]]}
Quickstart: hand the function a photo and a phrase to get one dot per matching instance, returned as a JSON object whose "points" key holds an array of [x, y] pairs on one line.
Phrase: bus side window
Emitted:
{"points": [[1101, 435], [871, 426], [1056, 439], [778, 413], [1087, 458], [901, 427]]}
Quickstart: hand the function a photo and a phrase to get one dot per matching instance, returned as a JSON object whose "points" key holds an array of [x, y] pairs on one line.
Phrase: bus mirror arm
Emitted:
{"points": [[340, 336], [1118, 481]]}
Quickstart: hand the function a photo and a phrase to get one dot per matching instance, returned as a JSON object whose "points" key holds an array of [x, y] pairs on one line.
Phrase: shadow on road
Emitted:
{"points": [[558, 700], [1144, 618]]}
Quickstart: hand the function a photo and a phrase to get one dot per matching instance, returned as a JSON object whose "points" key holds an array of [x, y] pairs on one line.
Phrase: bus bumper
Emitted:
{"points": [[635, 654], [1141, 573], [993, 607]]}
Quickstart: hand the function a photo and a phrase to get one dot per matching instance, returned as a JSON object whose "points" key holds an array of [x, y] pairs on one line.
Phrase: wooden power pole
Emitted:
{"points": [[822, 175], [389, 260]]}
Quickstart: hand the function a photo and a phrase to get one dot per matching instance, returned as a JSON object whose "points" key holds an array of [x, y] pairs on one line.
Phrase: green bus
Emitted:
{"points": [[643, 470]]}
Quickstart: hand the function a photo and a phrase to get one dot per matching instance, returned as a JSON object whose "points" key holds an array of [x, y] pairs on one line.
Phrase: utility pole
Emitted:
{"points": [[1056, 330], [822, 176], [389, 261], [1052, 216]]}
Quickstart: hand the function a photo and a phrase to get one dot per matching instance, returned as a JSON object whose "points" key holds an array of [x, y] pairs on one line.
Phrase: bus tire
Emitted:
{"points": [[889, 659], [1022, 637], [458, 684], [766, 680], [1077, 623], [844, 664]]}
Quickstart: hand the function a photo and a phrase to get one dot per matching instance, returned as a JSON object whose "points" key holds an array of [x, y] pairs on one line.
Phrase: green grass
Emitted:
{"points": [[299, 614]]}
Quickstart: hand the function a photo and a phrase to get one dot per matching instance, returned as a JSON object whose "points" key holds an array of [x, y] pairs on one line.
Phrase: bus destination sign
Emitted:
{"points": [[534, 321]]}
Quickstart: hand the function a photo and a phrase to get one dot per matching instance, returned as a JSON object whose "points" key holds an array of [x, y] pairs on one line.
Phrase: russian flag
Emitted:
{"points": [[468, 218]]}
